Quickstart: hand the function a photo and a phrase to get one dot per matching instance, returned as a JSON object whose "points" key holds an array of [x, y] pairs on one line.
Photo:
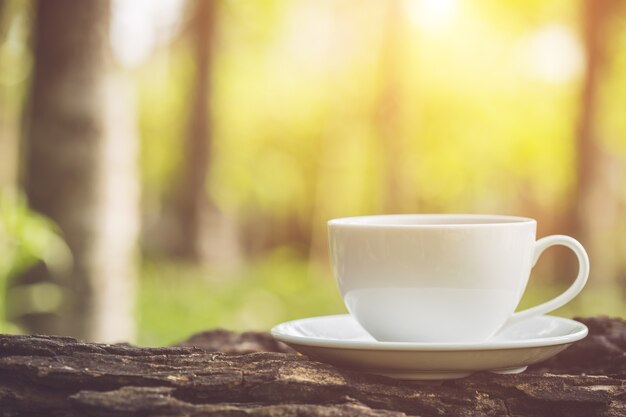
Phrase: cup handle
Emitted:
{"points": [[583, 272]]}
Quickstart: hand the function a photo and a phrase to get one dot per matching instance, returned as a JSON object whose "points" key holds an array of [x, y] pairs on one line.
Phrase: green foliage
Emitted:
{"points": [[163, 91], [25, 238], [177, 300], [304, 126]]}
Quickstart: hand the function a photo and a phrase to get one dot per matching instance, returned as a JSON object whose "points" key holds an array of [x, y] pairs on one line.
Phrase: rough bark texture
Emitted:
{"points": [[59, 376], [79, 157]]}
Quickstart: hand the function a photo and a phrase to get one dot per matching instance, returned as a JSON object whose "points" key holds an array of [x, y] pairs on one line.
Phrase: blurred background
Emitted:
{"points": [[168, 166]]}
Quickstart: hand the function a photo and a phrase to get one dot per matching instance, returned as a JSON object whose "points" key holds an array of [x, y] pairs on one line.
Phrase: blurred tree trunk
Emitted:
{"points": [[206, 234], [594, 207], [80, 171], [387, 117]]}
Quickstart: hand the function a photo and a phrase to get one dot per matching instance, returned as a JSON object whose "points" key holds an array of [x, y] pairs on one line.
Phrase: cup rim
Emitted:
{"points": [[442, 221]]}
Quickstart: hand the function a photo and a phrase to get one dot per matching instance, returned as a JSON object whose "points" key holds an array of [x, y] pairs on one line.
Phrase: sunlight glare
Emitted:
{"points": [[431, 16], [139, 26], [553, 54]]}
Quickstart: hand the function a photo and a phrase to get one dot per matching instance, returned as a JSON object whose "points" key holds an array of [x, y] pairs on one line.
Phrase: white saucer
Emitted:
{"points": [[341, 341]]}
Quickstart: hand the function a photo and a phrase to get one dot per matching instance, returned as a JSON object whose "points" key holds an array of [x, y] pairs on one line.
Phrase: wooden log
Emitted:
{"points": [[253, 375]]}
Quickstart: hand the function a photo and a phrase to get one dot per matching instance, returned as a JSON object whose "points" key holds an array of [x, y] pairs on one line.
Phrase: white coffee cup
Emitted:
{"points": [[441, 277]]}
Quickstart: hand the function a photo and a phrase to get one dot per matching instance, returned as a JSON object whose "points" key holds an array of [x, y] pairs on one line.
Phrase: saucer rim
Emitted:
{"points": [[279, 333]]}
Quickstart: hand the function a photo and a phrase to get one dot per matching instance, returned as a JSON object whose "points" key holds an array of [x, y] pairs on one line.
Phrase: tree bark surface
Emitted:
{"points": [[252, 375]]}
